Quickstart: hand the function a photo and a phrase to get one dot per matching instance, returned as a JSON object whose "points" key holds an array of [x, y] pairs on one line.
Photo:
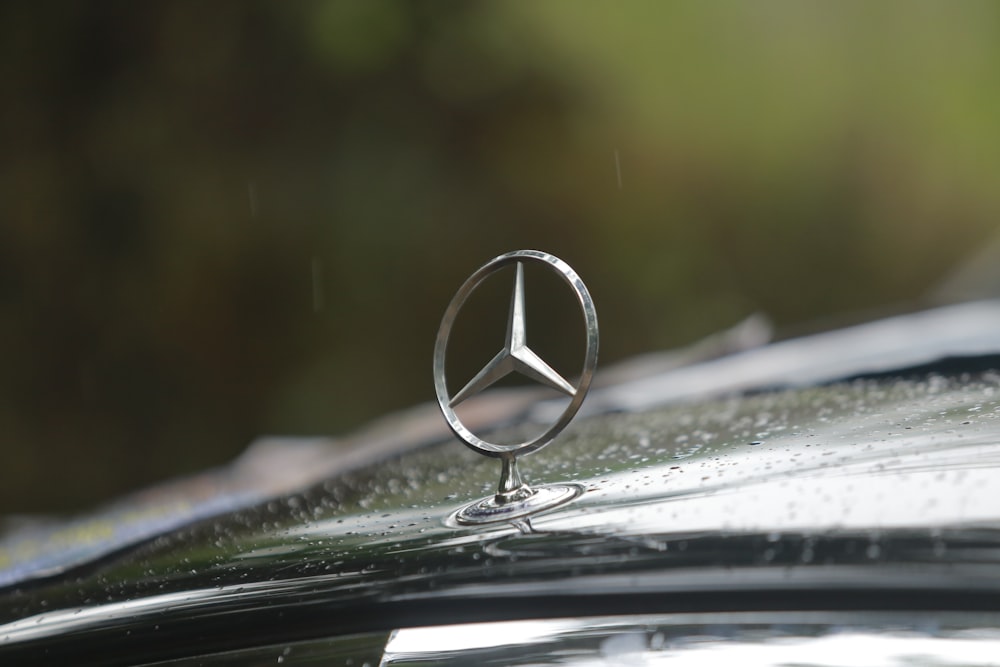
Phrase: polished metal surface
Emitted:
{"points": [[756, 639], [514, 498], [707, 640], [536, 499], [862, 495], [516, 355], [859, 496]]}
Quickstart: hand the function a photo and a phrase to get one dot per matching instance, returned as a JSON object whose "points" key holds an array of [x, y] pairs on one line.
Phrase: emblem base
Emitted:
{"points": [[488, 510]]}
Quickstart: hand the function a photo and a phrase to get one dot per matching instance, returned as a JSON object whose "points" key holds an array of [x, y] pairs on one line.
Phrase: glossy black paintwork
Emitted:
{"points": [[871, 494]]}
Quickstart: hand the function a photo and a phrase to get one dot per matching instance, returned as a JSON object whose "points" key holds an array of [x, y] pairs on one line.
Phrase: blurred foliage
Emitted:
{"points": [[224, 219]]}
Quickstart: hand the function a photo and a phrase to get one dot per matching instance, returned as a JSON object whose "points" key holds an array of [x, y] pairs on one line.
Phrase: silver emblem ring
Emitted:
{"points": [[579, 392]]}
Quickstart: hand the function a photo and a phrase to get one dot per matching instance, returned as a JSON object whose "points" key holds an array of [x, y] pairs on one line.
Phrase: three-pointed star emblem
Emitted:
{"points": [[515, 355]]}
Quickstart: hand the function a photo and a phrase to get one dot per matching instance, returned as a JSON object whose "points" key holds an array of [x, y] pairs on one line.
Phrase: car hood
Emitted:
{"points": [[876, 492]]}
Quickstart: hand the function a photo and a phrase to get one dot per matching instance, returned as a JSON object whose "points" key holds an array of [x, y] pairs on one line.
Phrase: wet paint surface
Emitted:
{"points": [[869, 485]]}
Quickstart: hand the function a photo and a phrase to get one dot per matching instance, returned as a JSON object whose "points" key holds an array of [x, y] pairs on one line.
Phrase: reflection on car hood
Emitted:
{"points": [[873, 493], [706, 640]]}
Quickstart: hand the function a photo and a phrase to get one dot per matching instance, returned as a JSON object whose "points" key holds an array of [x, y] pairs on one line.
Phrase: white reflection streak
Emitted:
{"points": [[64, 620], [838, 650], [447, 638], [50, 623], [627, 646]]}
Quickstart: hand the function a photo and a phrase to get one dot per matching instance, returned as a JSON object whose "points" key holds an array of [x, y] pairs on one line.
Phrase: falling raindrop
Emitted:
{"points": [[618, 169], [252, 196], [317, 284]]}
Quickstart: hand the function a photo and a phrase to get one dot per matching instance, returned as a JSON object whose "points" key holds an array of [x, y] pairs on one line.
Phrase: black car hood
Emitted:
{"points": [[869, 493]]}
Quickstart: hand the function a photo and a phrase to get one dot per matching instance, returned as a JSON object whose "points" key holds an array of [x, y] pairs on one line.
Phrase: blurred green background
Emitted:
{"points": [[225, 219]]}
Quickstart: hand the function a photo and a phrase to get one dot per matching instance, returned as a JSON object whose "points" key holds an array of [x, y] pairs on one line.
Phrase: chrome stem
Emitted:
{"points": [[511, 488]]}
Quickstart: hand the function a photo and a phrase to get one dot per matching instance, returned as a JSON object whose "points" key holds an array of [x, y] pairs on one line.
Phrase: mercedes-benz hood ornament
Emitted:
{"points": [[514, 498]]}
